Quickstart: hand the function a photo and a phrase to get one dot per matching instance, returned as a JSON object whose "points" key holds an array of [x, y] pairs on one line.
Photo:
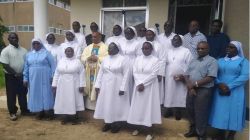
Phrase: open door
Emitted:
{"points": [[204, 11]]}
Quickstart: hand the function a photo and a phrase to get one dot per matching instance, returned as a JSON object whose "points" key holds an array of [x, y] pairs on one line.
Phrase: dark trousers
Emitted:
{"points": [[198, 108], [14, 87]]}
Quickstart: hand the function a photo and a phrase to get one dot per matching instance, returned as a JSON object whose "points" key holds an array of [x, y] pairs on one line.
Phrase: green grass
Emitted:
{"points": [[2, 81]]}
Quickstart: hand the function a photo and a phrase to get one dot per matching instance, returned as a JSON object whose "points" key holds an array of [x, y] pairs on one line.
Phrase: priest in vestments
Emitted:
{"points": [[92, 57]]}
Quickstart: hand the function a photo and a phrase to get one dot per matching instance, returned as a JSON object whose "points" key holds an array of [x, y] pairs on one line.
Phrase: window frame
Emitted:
{"points": [[63, 5], [115, 9], [123, 4], [8, 1], [56, 31], [28, 26], [11, 26], [23, 1]]}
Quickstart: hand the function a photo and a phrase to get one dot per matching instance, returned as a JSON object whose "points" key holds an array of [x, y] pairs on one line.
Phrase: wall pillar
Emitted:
{"points": [[40, 18]]}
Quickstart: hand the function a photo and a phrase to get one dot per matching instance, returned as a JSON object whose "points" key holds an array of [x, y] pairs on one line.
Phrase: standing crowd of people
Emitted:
{"points": [[134, 77]]}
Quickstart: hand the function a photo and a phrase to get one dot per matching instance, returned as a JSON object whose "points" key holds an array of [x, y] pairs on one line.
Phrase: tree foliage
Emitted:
{"points": [[3, 29]]}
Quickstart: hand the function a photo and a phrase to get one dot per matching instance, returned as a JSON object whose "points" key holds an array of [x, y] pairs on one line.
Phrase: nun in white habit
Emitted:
{"points": [[70, 41], [141, 35], [68, 84], [113, 99], [178, 58], [145, 105], [51, 46], [129, 50], [151, 35], [117, 36]]}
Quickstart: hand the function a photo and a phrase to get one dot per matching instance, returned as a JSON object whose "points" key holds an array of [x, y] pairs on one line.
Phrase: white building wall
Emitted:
{"points": [[158, 13]]}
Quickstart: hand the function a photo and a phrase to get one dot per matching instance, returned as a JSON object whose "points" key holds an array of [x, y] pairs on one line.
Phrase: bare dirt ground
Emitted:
{"points": [[2, 92], [28, 128]]}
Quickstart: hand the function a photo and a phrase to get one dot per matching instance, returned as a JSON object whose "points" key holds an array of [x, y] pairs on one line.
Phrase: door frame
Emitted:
{"points": [[220, 9]]}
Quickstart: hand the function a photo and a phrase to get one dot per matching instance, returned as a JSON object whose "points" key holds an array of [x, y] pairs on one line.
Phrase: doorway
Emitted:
{"points": [[204, 11], [185, 14]]}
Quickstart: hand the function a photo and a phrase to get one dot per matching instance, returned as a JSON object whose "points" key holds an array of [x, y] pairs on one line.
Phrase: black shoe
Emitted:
{"points": [[168, 113], [191, 133], [49, 115], [202, 138], [26, 113], [64, 121], [40, 115], [75, 122], [106, 127], [115, 128], [220, 136], [178, 115], [230, 137]]}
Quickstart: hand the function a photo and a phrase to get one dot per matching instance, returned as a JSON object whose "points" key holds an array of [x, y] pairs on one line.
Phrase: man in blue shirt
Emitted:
{"points": [[200, 80], [193, 37], [217, 40]]}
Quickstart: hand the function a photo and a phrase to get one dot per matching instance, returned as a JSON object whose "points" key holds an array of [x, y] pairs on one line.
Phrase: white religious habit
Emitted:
{"points": [[158, 51], [166, 40], [118, 39], [178, 60], [68, 77], [141, 40], [73, 44], [54, 49], [80, 37], [129, 49], [112, 78], [145, 105]]}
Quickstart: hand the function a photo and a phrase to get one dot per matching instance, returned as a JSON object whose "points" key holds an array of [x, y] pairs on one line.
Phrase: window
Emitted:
{"points": [[6, 1], [60, 4], [31, 28], [52, 30], [112, 3], [52, 2], [64, 32], [24, 0], [123, 3], [56, 31], [67, 7], [123, 12], [135, 3], [11, 28], [25, 28]]}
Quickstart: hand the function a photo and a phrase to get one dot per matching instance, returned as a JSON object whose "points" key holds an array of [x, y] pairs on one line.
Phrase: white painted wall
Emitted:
{"points": [[158, 12]]}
